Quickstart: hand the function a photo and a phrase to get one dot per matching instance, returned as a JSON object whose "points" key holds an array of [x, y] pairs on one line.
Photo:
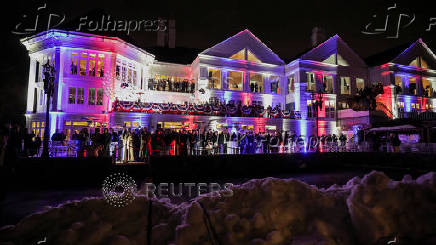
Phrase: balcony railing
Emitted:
{"points": [[417, 115], [219, 109]]}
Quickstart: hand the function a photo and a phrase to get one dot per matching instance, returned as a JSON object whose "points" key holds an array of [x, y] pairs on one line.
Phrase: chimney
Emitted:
{"points": [[167, 38], [318, 36]]}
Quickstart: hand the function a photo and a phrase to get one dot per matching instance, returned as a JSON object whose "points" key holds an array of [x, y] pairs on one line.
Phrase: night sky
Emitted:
{"points": [[284, 27]]}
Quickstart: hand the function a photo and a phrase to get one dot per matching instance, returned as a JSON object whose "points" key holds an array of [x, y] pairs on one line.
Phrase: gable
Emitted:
{"points": [[334, 51], [418, 55], [253, 49]]}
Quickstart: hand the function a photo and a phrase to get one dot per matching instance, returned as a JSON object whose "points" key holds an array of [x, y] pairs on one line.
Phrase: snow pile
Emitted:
{"points": [[381, 208], [93, 221], [266, 211]]}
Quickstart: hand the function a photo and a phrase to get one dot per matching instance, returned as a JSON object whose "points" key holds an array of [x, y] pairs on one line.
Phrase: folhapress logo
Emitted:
{"points": [[394, 20]]}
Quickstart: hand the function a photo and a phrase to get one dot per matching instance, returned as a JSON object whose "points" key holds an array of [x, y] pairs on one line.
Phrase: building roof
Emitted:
{"points": [[333, 45], [386, 55], [241, 40]]}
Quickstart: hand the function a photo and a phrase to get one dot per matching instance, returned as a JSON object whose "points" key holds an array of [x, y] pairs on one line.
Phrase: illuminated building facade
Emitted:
{"points": [[409, 82], [238, 83]]}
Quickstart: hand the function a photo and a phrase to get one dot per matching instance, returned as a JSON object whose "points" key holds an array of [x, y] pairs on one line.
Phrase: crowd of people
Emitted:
{"points": [[166, 84], [136, 144], [133, 145]]}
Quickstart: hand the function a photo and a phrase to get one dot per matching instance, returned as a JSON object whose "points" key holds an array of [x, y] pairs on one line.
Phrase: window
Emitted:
{"points": [[38, 129], [419, 62], [234, 79], [91, 96], [214, 77], [328, 84], [124, 72], [74, 59], [423, 63], [129, 74], [134, 77], [91, 65], [291, 84], [239, 55], [399, 81], [426, 86], [252, 57], [275, 85], [345, 85], [100, 67], [214, 100], [342, 61], [412, 85], [245, 54], [414, 62], [330, 109], [360, 84], [72, 95], [99, 96], [311, 82], [83, 63], [118, 71], [80, 95], [256, 83], [310, 112]]}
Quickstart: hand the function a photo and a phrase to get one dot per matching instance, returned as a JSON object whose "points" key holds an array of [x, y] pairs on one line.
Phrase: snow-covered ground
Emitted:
{"points": [[371, 210]]}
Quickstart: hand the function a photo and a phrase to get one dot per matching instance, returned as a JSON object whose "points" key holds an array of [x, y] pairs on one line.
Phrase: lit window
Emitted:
{"points": [[399, 81], [74, 63], [311, 82], [252, 57], [245, 54], [100, 68], [71, 95], [129, 74], [134, 77], [256, 83], [426, 85], [83, 63], [423, 63], [239, 55], [124, 72], [214, 78], [328, 84], [345, 85], [360, 84], [412, 85], [234, 79], [419, 62], [91, 96], [92, 64], [99, 96], [118, 71], [275, 85], [80, 95], [291, 84]]}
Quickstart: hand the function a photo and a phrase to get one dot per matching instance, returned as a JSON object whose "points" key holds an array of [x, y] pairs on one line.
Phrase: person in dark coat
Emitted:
{"points": [[106, 142]]}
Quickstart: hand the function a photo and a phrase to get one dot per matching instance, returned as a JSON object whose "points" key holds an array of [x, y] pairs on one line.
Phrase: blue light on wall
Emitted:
{"points": [[407, 101]]}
